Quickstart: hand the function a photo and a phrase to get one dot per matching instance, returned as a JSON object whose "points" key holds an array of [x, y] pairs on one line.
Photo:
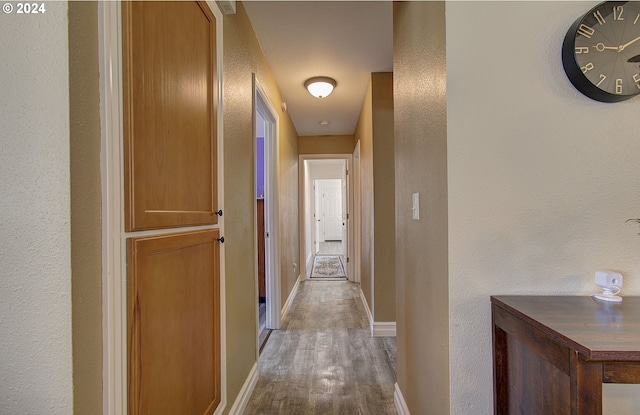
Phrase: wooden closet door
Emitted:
{"points": [[170, 89], [174, 324], [173, 281]]}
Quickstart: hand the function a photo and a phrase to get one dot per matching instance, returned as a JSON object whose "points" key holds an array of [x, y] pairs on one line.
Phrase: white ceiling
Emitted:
{"points": [[345, 40]]}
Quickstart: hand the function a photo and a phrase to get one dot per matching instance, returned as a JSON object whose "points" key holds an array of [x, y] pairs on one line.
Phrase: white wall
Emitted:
{"points": [[35, 276], [541, 179]]}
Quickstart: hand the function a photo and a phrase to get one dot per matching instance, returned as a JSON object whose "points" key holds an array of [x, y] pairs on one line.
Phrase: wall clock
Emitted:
{"points": [[601, 51]]}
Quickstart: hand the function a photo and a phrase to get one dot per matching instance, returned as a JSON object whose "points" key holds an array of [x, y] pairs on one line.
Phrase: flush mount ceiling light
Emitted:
{"points": [[320, 86]]}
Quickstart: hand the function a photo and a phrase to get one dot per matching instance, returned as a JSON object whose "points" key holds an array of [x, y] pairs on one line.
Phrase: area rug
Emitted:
{"points": [[328, 267]]}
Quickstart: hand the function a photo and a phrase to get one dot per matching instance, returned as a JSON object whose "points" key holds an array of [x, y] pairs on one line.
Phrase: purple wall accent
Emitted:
{"points": [[259, 167]]}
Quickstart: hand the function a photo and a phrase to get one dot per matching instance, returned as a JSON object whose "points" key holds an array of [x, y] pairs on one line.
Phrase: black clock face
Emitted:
{"points": [[601, 52]]}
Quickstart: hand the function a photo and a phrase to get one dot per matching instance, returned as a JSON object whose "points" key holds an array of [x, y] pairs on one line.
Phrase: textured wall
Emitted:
{"points": [[384, 203], [86, 237], [330, 144], [364, 134], [375, 133], [421, 246], [242, 57], [35, 282], [541, 180]]}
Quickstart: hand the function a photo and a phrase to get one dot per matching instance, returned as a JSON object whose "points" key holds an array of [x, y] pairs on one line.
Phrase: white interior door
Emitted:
{"points": [[332, 210]]}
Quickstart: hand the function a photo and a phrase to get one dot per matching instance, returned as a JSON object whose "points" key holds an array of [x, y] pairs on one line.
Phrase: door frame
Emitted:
{"points": [[357, 212], [302, 208], [114, 291], [263, 106]]}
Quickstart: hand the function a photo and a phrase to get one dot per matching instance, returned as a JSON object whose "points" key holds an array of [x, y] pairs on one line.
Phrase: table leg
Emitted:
{"points": [[500, 372], [586, 386]]}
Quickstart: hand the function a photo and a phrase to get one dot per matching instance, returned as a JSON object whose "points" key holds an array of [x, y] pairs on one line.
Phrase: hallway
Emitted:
{"points": [[324, 360]]}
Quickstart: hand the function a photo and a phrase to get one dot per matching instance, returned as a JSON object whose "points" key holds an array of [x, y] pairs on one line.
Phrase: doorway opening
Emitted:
{"points": [[266, 210], [325, 206]]}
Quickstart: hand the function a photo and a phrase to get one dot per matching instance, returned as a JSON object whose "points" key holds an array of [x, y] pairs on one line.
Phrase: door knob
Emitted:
{"points": [[220, 239]]}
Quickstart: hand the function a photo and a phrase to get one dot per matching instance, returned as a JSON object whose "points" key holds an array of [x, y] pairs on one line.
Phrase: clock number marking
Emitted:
{"points": [[586, 68], [618, 86], [599, 17], [586, 31], [617, 12], [636, 79], [583, 49], [602, 78]]}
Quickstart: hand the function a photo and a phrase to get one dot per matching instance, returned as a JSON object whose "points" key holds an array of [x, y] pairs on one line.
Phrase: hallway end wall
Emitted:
{"points": [[331, 144]]}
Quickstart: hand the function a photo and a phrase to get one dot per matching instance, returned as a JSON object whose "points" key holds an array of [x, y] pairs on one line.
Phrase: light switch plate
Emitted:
{"points": [[415, 206]]}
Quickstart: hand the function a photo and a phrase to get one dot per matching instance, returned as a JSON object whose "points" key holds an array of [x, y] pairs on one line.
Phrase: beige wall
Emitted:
{"points": [[35, 285], [421, 246], [541, 180], [329, 144], [86, 236], [384, 204], [242, 57], [364, 134], [375, 133]]}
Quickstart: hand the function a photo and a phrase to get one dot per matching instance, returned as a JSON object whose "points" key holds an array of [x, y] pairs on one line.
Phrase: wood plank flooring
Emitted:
{"points": [[324, 360]]}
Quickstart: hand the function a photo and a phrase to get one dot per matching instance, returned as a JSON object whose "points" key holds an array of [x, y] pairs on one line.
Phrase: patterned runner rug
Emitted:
{"points": [[328, 267]]}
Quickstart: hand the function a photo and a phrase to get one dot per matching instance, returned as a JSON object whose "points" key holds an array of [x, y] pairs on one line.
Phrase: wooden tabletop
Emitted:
{"points": [[598, 330]]}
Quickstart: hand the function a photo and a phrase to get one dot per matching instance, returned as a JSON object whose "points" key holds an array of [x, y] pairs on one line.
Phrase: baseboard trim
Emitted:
{"points": [[378, 328], [384, 329], [245, 393], [292, 296], [367, 310], [309, 265], [398, 399]]}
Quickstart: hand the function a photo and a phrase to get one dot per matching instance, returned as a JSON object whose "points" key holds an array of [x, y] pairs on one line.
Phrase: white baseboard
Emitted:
{"points": [[292, 296], [367, 310], [309, 264], [398, 399], [378, 328], [384, 329], [244, 395]]}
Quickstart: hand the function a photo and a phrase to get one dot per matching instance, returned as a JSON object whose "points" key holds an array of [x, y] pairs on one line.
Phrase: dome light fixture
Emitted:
{"points": [[320, 86]]}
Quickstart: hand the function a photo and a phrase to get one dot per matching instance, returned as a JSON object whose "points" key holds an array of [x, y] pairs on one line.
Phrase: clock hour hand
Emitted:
{"points": [[621, 48], [634, 59]]}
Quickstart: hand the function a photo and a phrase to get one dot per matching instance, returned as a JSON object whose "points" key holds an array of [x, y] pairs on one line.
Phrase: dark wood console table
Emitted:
{"points": [[551, 354]]}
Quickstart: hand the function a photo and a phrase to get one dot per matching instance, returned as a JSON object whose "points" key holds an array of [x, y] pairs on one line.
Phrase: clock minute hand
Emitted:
{"points": [[600, 47], [621, 48]]}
